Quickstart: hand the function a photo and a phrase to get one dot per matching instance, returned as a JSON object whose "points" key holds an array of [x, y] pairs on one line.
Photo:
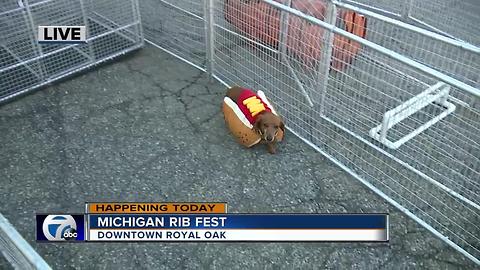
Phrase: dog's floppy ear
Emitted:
{"points": [[258, 124]]}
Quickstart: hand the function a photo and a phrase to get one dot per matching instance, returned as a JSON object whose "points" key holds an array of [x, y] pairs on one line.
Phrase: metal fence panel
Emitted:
{"points": [[178, 26], [113, 28], [454, 18], [17, 251], [398, 109], [452, 57]]}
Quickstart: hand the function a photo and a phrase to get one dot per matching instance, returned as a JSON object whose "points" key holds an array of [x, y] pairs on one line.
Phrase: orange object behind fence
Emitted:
{"points": [[260, 21]]}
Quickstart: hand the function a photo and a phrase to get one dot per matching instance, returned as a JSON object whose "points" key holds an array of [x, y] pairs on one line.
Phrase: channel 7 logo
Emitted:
{"points": [[60, 228]]}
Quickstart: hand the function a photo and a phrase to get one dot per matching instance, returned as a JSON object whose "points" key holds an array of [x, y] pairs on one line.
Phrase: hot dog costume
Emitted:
{"points": [[240, 116]]}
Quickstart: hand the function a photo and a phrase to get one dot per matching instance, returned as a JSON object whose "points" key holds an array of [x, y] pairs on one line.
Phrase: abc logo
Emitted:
{"points": [[60, 228]]}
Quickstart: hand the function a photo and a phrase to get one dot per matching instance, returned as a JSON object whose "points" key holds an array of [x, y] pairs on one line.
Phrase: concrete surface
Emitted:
{"points": [[149, 128]]}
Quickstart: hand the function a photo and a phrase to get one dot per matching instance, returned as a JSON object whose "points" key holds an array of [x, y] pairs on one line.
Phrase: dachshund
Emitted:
{"points": [[265, 123]]}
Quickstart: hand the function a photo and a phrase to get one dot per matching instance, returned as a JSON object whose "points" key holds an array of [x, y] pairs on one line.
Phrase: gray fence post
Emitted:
{"points": [[38, 47], [284, 29], [87, 29], [324, 67], [209, 36]]}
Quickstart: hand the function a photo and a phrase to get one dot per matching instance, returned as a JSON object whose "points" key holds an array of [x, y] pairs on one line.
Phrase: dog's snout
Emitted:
{"points": [[270, 138]]}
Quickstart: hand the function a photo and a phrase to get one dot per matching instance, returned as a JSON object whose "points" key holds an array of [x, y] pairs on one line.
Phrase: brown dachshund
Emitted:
{"points": [[266, 123]]}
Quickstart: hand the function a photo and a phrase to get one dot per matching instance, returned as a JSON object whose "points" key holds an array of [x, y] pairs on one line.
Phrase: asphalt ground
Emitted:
{"points": [[148, 127]]}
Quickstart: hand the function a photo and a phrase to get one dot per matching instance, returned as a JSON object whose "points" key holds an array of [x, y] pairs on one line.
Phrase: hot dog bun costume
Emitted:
{"points": [[240, 116]]}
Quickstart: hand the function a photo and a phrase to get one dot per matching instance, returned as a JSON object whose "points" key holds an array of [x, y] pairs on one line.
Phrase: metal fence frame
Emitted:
{"points": [[13, 246], [16, 250], [405, 11], [207, 17], [35, 61], [453, 44]]}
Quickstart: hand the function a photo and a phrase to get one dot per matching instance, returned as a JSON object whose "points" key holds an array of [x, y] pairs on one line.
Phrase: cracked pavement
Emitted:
{"points": [[149, 127]]}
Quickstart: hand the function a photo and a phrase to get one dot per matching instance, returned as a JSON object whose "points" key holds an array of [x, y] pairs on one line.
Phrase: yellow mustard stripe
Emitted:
{"points": [[254, 105], [250, 99]]}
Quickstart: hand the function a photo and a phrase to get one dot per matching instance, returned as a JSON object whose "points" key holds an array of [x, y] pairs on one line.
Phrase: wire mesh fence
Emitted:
{"points": [[178, 26], [454, 58], [113, 29], [395, 105], [454, 18]]}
